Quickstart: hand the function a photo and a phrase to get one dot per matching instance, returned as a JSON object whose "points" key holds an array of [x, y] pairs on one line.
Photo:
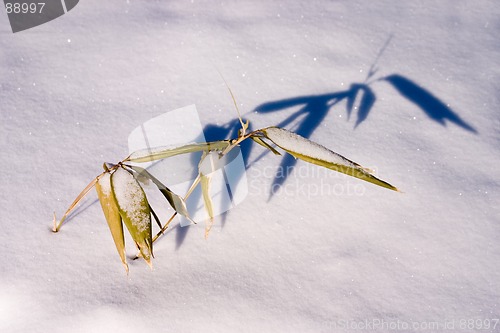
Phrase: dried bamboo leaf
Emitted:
{"points": [[205, 188], [112, 214], [208, 164], [315, 153], [148, 155]]}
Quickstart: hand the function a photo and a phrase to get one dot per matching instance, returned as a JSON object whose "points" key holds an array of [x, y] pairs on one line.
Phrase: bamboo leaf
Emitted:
{"points": [[148, 155], [205, 188], [175, 201], [112, 214], [314, 153], [134, 210], [208, 164]]}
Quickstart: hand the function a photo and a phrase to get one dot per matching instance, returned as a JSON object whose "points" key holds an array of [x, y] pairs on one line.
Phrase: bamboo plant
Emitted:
{"points": [[124, 201]]}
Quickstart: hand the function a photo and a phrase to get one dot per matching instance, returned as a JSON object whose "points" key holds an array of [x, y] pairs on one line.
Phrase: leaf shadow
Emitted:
{"points": [[433, 107], [360, 97], [313, 110]]}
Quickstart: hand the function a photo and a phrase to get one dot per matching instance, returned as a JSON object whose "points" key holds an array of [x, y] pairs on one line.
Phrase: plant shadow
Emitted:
{"points": [[313, 109], [360, 97]]}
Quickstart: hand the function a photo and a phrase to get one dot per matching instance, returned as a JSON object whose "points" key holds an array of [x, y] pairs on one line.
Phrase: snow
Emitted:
{"points": [[105, 183], [305, 260]]}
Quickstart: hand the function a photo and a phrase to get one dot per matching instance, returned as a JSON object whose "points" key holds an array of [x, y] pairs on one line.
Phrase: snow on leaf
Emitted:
{"points": [[315, 153], [112, 214], [134, 210]]}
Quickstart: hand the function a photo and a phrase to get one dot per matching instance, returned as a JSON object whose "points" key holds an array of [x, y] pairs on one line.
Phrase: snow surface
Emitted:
{"points": [[324, 251]]}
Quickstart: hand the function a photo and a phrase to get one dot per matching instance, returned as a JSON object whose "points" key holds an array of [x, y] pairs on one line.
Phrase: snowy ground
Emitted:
{"points": [[306, 260]]}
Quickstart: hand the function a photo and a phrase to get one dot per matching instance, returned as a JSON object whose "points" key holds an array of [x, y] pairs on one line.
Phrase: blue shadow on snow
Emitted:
{"points": [[314, 109]]}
